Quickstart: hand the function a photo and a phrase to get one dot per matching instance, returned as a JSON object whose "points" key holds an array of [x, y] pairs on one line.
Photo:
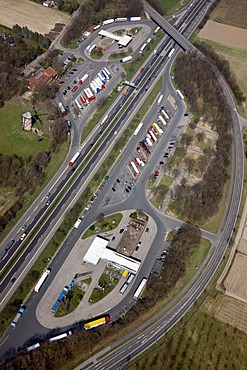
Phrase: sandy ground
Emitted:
{"points": [[223, 34], [242, 246], [27, 13], [235, 282]]}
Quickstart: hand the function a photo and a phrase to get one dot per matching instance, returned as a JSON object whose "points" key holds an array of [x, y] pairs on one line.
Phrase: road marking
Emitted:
{"points": [[4, 340]]}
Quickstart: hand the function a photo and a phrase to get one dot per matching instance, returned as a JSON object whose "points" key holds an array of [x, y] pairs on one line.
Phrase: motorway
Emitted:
{"points": [[178, 311]]}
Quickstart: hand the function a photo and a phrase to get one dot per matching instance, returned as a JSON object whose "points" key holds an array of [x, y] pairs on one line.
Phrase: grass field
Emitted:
{"points": [[231, 12], [36, 17], [237, 59], [13, 139], [105, 224], [172, 6]]}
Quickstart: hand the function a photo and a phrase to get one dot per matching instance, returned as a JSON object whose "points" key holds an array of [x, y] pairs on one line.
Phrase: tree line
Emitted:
{"points": [[93, 12], [68, 6], [42, 40], [224, 68], [58, 355], [201, 201]]}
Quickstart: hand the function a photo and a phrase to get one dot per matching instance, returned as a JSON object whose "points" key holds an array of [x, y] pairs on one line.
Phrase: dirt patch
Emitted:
{"points": [[224, 34], [172, 101], [232, 13], [36, 17], [227, 310], [235, 281], [242, 246]]}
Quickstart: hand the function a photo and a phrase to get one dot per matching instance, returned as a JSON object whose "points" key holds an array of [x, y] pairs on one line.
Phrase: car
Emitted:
{"points": [[166, 155], [13, 280], [118, 181], [68, 88], [74, 82], [113, 238], [71, 73], [68, 58], [161, 162], [147, 230], [74, 69], [67, 109], [113, 189], [137, 247], [60, 83], [48, 195], [68, 123], [48, 202], [74, 88], [129, 187], [127, 190], [64, 93], [186, 114], [121, 231], [23, 236], [66, 77], [24, 227], [141, 70]]}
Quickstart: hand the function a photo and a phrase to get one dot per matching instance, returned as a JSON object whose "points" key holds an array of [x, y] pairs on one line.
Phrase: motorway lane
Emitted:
{"points": [[76, 134], [42, 231], [147, 266]]}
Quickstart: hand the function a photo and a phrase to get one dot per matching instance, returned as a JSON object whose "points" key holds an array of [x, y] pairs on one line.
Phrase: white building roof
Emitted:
{"points": [[125, 40], [110, 35], [95, 250], [98, 250]]}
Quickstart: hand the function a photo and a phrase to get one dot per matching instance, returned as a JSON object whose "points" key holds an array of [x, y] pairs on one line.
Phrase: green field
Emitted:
{"points": [[13, 139], [237, 59], [172, 6], [198, 342], [105, 224]]}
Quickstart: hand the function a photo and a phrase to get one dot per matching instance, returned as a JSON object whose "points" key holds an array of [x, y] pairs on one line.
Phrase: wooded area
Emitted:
{"points": [[93, 12], [201, 201]]}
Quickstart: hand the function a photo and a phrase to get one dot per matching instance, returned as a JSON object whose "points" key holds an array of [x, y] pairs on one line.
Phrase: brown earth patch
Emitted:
{"points": [[224, 34], [36, 17], [235, 282], [227, 310]]}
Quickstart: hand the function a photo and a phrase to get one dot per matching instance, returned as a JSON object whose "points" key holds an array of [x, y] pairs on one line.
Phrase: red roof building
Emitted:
{"points": [[42, 76]]}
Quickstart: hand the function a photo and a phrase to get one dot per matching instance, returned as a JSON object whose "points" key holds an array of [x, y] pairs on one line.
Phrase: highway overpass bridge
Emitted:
{"points": [[168, 28]]}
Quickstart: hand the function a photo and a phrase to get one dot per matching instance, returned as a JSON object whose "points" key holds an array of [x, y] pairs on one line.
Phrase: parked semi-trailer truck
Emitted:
{"points": [[157, 129], [162, 120], [42, 280], [18, 316], [83, 100], [152, 136], [134, 168], [141, 154], [126, 59], [139, 162], [107, 21], [97, 322], [162, 110], [62, 109], [83, 79], [107, 72]]}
